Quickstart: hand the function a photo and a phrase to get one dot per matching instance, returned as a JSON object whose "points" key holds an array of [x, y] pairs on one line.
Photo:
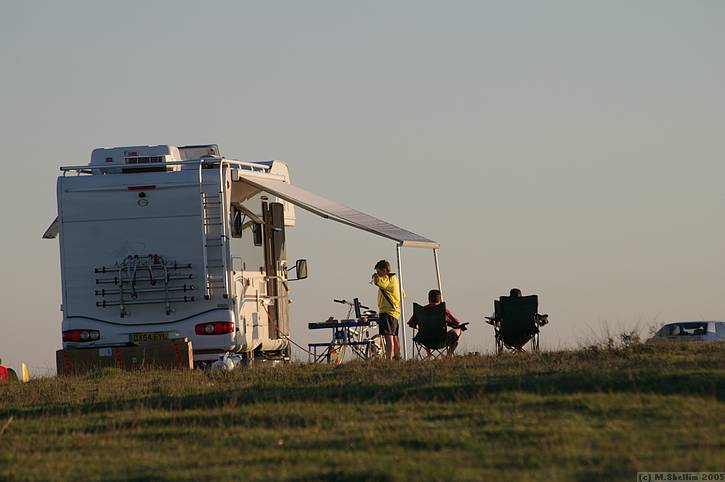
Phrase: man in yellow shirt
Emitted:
{"points": [[388, 307]]}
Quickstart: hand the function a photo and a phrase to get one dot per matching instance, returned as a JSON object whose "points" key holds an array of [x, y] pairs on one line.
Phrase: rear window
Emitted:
{"points": [[686, 329]]}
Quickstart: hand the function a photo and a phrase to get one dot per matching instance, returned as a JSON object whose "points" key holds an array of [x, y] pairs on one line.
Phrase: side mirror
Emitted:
{"points": [[300, 269]]}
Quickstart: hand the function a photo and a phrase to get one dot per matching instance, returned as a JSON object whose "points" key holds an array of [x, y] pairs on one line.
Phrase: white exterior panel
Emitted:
{"points": [[128, 224]]}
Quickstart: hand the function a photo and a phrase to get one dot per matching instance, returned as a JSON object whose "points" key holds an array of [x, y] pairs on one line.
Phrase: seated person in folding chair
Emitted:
{"points": [[516, 321], [454, 334], [516, 293]]}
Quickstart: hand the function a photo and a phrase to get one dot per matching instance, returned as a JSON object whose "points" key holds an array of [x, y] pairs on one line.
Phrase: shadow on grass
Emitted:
{"points": [[342, 476], [688, 383]]}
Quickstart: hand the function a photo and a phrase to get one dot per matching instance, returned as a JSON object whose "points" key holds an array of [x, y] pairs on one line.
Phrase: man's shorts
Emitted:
{"points": [[387, 324]]}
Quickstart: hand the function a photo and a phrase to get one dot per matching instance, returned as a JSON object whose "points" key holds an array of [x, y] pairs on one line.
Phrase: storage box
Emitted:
{"points": [[168, 354]]}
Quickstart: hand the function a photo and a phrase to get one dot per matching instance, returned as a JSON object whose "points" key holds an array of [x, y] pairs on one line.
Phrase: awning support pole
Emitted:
{"points": [[402, 304], [438, 271]]}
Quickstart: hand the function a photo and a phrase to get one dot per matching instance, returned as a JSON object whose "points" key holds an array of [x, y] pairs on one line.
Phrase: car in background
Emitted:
{"points": [[698, 331]]}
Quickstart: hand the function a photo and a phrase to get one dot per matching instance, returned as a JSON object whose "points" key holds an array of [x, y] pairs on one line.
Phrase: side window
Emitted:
{"points": [[240, 221], [257, 234], [237, 222]]}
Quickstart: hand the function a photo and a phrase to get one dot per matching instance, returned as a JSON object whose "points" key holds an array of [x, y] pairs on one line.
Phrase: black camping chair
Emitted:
{"points": [[432, 330], [516, 322], [432, 333]]}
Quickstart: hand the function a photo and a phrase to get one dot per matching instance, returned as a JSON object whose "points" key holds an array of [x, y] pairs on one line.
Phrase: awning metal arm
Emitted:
{"points": [[402, 303]]}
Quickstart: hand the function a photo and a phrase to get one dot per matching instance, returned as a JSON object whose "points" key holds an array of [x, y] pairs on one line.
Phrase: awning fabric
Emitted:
{"points": [[337, 212]]}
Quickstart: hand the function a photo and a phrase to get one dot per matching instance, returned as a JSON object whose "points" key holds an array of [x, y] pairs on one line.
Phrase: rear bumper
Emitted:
{"points": [[118, 335]]}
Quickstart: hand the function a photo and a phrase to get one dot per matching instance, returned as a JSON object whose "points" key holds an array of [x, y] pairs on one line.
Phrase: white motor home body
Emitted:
{"points": [[160, 242]]}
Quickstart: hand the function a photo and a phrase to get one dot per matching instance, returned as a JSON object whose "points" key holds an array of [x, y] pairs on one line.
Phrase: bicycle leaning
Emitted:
{"points": [[353, 332]]}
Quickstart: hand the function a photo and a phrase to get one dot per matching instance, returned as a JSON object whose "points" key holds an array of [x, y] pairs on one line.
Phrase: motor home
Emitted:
{"points": [[160, 242], [165, 242]]}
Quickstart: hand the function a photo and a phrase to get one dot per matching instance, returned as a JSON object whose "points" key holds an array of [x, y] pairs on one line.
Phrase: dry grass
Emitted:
{"points": [[603, 412]]}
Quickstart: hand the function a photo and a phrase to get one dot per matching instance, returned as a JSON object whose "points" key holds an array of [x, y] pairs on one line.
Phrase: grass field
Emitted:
{"points": [[593, 414]]}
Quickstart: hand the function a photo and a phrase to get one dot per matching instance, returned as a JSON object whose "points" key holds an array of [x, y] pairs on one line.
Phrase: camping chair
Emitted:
{"points": [[432, 330], [516, 322]]}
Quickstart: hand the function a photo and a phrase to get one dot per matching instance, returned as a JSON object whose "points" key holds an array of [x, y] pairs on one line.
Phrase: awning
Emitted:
{"points": [[337, 212]]}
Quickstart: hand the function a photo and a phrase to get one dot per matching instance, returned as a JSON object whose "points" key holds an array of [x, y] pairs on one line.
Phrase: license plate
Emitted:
{"points": [[158, 336]]}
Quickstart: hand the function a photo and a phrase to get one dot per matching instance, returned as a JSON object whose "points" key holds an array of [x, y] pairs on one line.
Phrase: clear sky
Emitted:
{"points": [[573, 149]]}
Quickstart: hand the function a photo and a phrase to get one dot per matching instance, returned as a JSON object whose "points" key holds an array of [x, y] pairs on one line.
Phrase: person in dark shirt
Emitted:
{"points": [[454, 334], [516, 293]]}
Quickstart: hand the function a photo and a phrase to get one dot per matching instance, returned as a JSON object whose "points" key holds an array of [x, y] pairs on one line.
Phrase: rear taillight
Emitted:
{"points": [[81, 335], [214, 328]]}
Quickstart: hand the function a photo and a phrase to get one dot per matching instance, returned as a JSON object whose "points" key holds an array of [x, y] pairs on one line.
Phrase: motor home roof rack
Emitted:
{"points": [[256, 166]]}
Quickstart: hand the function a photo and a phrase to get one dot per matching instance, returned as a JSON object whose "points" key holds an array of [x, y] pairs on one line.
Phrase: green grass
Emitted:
{"points": [[594, 414]]}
